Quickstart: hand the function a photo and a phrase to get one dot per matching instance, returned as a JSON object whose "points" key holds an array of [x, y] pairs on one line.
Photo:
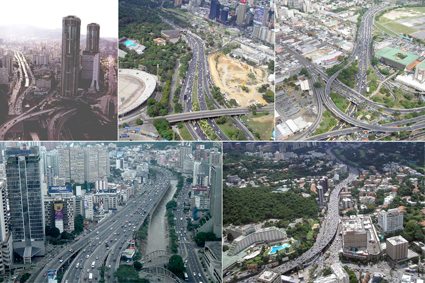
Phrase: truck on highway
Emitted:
{"points": [[93, 264], [90, 276]]}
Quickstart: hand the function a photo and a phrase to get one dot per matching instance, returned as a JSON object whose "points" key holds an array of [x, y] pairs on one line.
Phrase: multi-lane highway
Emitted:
{"points": [[362, 53], [195, 91], [187, 247], [327, 231], [328, 228], [104, 244], [23, 86]]}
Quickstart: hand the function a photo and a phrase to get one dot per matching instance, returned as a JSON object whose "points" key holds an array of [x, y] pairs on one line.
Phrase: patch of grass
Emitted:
{"points": [[261, 124], [328, 123], [340, 101], [231, 130], [184, 133]]}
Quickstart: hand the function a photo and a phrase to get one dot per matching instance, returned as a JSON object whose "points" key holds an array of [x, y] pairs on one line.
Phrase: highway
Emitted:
{"points": [[187, 247], [327, 231], [56, 122], [27, 115], [198, 69], [105, 243], [352, 95], [22, 87], [317, 92], [352, 130], [328, 228], [196, 72]]}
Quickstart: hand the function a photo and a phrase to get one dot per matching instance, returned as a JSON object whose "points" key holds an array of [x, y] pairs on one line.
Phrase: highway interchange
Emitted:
{"points": [[362, 53], [52, 108], [104, 244]]}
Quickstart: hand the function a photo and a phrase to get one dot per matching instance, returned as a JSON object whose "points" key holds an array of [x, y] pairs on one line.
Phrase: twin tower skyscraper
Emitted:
{"points": [[71, 59]]}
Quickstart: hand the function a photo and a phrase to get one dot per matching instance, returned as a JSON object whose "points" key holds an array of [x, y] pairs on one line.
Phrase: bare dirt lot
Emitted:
{"points": [[232, 75]]}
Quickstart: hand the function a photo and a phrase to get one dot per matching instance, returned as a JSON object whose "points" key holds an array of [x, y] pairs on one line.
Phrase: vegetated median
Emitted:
{"points": [[175, 262]]}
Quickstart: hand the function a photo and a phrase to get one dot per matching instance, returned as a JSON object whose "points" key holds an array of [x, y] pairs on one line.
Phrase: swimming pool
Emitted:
{"points": [[275, 249], [129, 43]]}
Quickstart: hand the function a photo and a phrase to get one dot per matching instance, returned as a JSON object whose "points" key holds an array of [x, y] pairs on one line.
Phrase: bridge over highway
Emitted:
{"points": [[206, 114]]}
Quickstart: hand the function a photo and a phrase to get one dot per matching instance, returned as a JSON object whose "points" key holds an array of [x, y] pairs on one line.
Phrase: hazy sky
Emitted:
{"points": [[49, 13]]}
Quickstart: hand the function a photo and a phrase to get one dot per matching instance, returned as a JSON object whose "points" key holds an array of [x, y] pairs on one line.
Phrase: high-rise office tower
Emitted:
{"points": [[391, 220], [4, 221], [321, 196], [214, 10], [77, 164], [241, 13], [26, 201], [185, 152], [64, 171], [216, 200], [6, 255], [224, 14], [397, 248], [70, 55], [92, 40], [97, 165], [90, 60]]}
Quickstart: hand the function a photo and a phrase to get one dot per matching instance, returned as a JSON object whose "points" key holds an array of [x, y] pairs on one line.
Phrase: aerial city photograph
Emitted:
{"points": [[324, 212], [350, 70], [196, 70], [58, 70], [110, 212]]}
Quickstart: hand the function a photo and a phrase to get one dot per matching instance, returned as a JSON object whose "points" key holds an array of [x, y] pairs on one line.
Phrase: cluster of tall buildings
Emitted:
{"points": [[245, 14], [301, 5], [71, 59], [33, 196], [218, 12], [80, 164]]}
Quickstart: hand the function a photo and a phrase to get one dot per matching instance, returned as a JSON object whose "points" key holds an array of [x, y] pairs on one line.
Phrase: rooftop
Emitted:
{"points": [[397, 55], [396, 240]]}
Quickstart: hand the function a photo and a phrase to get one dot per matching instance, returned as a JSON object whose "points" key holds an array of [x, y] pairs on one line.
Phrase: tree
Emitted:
{"points": [[139, 122], [269, 96], [52, 232], [230, 237], [221, 120], [66, 236], [79, 224], [138, 265], [176, 265], [24, 277], [127, 273], [171, 204], [203, 237], [317, 85], [163, 128], [270, 66]]}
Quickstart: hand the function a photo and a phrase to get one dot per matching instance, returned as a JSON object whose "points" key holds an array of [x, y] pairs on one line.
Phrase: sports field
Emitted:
{"points": [[407, 20]]}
